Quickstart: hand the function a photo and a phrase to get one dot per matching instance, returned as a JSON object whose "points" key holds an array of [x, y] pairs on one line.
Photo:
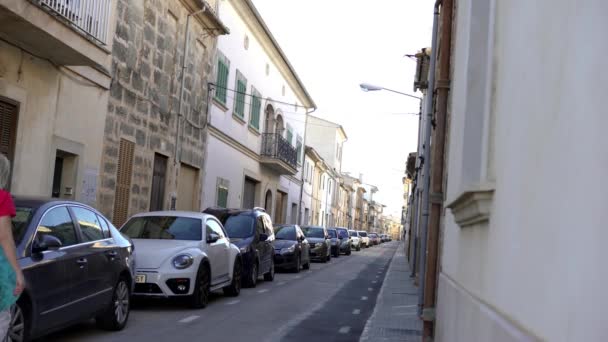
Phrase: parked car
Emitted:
{"points": [[355, 239], [374, 239], [252, 232], [334, 242], [345, 240], [318, 238], [183, 254], [364, 239], [291, 249], [76, 266]]}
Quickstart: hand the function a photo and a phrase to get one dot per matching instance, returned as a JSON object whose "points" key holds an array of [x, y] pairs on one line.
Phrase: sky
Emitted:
{"points": [[335, 45]]}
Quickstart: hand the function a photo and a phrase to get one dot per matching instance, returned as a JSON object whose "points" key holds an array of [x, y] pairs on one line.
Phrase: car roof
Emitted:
{"points": [[176, 213], [223, 213], [37, 202], [313, 227]]}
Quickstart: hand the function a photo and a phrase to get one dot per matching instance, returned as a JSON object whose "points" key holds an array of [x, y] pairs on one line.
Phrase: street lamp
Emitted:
{"points": [[370, 87]]}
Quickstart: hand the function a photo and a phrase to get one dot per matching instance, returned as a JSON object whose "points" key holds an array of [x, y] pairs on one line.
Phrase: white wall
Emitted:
{"points": [[324, 137], [537, 270]]}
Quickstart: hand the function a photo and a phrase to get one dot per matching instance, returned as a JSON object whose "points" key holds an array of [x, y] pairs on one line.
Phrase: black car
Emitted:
{"points": [[320, 246], [291, 249], [250, 230], [345, 240], [76, 264], [334, 241]]}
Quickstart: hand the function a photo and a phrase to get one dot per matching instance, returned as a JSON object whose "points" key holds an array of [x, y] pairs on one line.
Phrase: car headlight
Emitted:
{"points": [[288, 249], [244, 249], [183, 261]]}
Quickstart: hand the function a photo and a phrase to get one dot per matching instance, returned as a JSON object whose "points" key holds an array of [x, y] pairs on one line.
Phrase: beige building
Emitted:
{"points": [[55, 73], [155, 133]]}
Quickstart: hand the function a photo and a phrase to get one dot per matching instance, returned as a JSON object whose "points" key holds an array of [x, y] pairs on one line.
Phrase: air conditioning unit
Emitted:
{"points": [[423, 61]]}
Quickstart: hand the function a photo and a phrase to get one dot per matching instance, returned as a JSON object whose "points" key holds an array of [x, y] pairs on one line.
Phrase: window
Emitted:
{"points": [[89, 224], [8, 133], [159, 175], [215, 228], [239, 226], [163, 228], [299, 149], [223, 67], [241, 91], [104, 227], [58, 223], [256, 104], [222, 192], [123, 181], [289, 135]]}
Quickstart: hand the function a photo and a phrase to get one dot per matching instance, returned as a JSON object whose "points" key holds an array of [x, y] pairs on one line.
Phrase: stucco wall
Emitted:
{"points": [[536, 270]]}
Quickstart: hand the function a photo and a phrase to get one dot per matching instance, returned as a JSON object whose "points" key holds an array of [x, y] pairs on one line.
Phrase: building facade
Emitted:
{"points": [[55, 76], [256, 122], [154, 130]]}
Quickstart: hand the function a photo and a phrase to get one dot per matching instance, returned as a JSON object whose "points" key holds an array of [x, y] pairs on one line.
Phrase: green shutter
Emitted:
{"points": [[239, 108], [254, 120], [289, 135], [222, 197], [222, 81]]}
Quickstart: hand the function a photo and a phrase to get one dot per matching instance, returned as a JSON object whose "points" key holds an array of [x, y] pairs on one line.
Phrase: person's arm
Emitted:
{"points": [[8, 246]]}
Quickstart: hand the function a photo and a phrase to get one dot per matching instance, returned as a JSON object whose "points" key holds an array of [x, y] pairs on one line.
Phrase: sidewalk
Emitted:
{"points": [[394, 317]]}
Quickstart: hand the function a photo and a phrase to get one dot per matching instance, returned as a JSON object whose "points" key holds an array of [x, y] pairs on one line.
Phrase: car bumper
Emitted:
{"points": [[165, 284], [318, 253], [286, 260], [345, 247]]}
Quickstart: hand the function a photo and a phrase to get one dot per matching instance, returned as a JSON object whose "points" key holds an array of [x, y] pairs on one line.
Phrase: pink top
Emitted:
{"points": [[7, 206]]}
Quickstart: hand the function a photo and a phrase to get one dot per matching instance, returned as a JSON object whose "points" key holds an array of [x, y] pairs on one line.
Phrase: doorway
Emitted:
{"points": [[64, 175], [249, 193], [159, 176]]}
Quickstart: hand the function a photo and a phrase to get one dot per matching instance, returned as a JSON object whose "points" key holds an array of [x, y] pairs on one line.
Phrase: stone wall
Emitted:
{"points": [[144, 97]]}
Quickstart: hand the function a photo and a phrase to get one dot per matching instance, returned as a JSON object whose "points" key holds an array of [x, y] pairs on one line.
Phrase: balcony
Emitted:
{"points": [[67, 32], [278, 154]]}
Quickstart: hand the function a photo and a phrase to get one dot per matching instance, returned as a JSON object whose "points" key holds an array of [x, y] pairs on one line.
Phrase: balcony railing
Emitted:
{"points": [[277, 147], [89, 16]]}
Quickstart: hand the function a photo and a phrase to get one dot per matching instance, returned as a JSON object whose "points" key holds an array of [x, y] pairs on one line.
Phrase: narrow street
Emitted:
{"points": [[331, 301]]}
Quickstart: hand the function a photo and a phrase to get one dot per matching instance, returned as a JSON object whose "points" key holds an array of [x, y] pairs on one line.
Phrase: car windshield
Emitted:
{"points": [[20, 221], [352, 233], [363, 234], [285, 233], [342, 233], [239, 226], [332, 233], [163, 228], [313, 232]]}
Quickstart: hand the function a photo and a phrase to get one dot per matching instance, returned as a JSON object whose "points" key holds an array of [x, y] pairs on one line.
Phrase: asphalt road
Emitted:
{"points": [[329, 302]]}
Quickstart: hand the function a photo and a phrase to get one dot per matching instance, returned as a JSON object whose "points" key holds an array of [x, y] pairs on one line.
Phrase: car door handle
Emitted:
{"points": [[82, 262]]}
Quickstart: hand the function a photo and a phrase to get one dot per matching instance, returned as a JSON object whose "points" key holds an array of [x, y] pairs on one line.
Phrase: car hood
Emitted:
{"points": [[278, 244], [151, 253], [315, 240]]}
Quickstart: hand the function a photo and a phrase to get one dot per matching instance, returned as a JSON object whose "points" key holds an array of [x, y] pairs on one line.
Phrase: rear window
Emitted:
{"points": [[313, 232], [342, 233], [239, 226], [164, 228], [352, 233], [20, 222], [364, 234], [332, 233]]}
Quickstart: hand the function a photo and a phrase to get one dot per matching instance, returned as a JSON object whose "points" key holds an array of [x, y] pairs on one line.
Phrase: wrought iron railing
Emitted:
{"points": [[92, 17], [275, 146]]}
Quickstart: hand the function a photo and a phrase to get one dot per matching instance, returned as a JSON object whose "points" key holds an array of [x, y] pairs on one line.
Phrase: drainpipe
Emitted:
{"points": [[439, 135], [426, 167], [298, 221]]}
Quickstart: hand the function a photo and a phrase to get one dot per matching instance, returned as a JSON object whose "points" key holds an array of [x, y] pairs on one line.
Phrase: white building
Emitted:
{"points": [[524, 251], [256, 128]]}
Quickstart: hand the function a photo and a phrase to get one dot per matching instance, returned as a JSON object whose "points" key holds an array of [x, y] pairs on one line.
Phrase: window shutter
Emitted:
{"points": [[222, 197], [241, 89], [255, 111], [123, 181], [8, 129]]}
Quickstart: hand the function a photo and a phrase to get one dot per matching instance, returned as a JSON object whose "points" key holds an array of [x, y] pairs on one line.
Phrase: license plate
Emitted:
{"points": [[140, 278]]}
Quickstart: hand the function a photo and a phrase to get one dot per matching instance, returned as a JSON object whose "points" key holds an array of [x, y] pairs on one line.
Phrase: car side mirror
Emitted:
{"points": [[263, 237], [212, 237], [48, 242]]}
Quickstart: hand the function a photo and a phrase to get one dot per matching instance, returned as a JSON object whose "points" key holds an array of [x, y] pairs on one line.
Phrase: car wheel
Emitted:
{"points": [[358, 247], [234, 289], [298, 264], [200, 297], [116, 315], [252, 280], [18, 327], [269, 276], [349, 251], [306, 266], [337, 253]]}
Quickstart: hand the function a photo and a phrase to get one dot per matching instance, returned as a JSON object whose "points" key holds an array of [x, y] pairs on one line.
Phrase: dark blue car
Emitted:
{"points": [[251, 230]]}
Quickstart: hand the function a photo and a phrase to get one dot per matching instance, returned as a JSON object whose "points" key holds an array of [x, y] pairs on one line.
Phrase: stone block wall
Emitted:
{"points": [[147, 54]]}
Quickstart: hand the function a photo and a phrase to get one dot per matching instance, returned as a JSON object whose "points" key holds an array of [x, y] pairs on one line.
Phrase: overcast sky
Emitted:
{"points": [[334, 45]]}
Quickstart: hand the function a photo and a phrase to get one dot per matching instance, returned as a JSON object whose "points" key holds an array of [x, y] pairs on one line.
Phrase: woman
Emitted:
{"points": [[11, 277]]}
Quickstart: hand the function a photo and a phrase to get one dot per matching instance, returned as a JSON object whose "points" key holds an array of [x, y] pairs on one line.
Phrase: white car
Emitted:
{"points": [[181, 254], [356, 240], [364, 239]]}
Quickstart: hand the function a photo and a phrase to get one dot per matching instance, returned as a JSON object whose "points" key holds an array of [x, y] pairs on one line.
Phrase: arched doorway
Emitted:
{"points": [[268, 202], [279, 126], [269, 121]]}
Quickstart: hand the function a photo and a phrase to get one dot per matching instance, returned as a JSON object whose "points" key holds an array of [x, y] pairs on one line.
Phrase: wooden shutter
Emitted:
{"points": [[159, 176], [123, 182], [241, 88], [222, 197], [8, 129], [254, 120]]}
